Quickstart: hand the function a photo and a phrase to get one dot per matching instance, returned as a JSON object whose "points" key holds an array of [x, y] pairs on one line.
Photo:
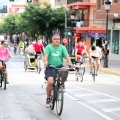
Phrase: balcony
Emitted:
{"points": [[80, 4], [73, 1]]}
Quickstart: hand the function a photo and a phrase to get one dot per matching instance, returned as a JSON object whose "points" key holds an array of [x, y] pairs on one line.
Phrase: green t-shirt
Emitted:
{"points": [[21, 45], [55, 55]]}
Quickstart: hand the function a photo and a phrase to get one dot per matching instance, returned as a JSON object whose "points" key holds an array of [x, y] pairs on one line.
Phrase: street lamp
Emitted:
{"points": [[72, 16], [64, 12], [106, 51]]}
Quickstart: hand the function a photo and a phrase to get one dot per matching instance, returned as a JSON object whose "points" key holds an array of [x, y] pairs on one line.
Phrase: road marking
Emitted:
{"points": [[111, 109], [105, 100], [96, 92], [89, 94], [89, 107]]}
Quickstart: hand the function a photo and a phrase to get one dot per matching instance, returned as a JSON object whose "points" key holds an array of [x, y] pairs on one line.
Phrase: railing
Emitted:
{"points": [[89, 23], [72, 1]]}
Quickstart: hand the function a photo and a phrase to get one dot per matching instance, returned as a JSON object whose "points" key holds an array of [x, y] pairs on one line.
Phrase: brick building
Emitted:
{"points": [[86, 27], [113, 26]]}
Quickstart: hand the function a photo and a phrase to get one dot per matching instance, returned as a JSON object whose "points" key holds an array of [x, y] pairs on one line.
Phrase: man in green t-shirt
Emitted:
{"points": [[54, 54]]}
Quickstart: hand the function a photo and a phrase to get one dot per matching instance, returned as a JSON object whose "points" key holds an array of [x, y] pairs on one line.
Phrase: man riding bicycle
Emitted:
{"points": [[53, 55], [39, 48], [95, 51], [21, 47]]}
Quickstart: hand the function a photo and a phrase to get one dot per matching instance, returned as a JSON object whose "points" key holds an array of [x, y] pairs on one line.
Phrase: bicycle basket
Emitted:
{"points": [[63, 74]]}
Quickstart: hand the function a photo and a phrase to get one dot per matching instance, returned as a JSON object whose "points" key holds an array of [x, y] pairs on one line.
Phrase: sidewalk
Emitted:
{"points": [[113, 67]]}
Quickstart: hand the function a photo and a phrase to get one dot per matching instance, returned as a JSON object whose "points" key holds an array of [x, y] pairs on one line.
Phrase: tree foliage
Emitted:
{"points": [[35, 20]]}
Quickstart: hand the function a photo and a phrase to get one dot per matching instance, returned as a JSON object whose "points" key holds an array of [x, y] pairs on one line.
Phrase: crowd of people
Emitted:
{"points": [[53, 55]]}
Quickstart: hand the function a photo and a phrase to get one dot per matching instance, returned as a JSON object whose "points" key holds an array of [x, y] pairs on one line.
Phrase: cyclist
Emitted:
{"points": [[79, 49], [95, 51], [39, 48], [4, 54], [21, 46], [30, 51], [53, 55], [78, 62]]}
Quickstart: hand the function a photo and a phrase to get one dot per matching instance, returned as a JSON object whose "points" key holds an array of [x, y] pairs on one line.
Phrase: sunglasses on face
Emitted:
{"points": [[56, 38]]}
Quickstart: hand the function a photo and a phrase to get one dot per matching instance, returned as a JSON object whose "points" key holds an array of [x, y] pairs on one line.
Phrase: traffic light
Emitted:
{"points": [[11, 0], [29, 1]]}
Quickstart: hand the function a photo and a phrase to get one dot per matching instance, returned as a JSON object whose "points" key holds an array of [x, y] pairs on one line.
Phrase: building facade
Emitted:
{"points": [[86, 27], [113, 26]]}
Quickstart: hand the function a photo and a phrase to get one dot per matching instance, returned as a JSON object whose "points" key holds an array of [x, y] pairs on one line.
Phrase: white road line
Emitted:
{"points": [[103, 101], [96, 92], [91, 108], [111, 109], [89, 94]]}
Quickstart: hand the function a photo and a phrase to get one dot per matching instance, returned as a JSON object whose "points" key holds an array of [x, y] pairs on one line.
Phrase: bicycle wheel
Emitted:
{"points": [[4, 80], [83, 70], [81, 75], [77, 77], [39, 69], [93, 73], [52, 99], [25, 67], [0, 82], [59, 100]]}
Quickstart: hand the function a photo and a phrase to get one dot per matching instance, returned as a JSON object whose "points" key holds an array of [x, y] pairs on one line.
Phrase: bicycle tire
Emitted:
{"points": [[4, 80], [0, 82], [93, 75], [39, 70], [83, 70], [59, 108], [52, 99]]}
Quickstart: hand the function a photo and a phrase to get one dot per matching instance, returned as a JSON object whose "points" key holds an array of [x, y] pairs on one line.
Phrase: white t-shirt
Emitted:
{"points": [[30, 48], [95, 53]]}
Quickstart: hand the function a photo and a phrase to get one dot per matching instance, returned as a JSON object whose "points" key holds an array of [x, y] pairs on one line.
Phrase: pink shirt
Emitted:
{"points": [[4, 53]]}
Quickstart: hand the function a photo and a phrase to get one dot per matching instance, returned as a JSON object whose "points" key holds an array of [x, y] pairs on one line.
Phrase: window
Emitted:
{"points": [[115, 42], [103, 2], [98, 4]]}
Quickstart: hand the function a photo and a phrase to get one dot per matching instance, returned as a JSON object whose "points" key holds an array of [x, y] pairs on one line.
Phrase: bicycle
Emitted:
{"points": [[94, 67], [3, 75], [80, 72], [57, 95], [39, 62]]}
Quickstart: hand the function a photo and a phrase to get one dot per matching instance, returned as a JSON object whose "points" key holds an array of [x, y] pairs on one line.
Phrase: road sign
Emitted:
{"points": [[65, 40]]}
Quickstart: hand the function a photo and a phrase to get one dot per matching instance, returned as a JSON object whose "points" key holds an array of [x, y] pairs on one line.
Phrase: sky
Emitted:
{"points": [[7, 2]]}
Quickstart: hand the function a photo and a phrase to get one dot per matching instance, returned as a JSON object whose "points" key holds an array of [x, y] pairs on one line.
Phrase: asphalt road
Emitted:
{"points": [[24, 98]]}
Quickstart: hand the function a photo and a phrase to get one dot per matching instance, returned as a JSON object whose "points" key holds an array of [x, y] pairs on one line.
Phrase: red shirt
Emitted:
{"points": [[80, 48], [38, 47]]}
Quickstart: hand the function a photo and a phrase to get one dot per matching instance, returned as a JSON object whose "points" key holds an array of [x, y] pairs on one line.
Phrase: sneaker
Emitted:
{"points": [[7, 82], [48, 102], [90, 72]]}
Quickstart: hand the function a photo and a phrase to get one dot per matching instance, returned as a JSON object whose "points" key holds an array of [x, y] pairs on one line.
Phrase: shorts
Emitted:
{"points": [[52, 72], [37, 55]]}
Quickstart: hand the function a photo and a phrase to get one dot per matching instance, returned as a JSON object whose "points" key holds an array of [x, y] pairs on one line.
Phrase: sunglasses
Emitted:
{"points": [[56, 38]]}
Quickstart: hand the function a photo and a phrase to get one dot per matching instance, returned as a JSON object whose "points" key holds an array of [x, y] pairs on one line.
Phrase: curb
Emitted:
{"points": [[106, 70]]}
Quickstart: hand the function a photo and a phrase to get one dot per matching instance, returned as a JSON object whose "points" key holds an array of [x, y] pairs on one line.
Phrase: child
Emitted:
{"points": [[78, 62]]}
